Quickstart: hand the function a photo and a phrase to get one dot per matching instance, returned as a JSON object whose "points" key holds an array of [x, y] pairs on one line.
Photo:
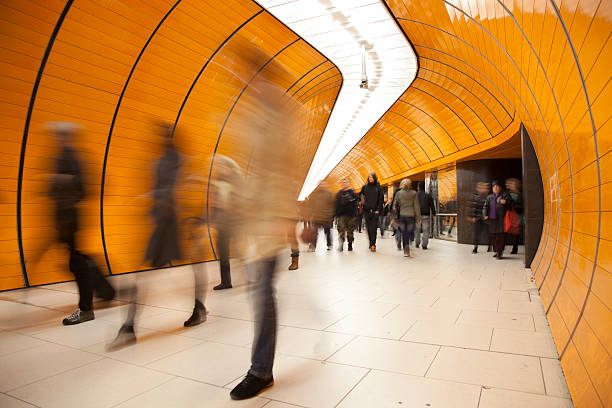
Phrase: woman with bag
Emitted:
{"points": [[494, 211]]}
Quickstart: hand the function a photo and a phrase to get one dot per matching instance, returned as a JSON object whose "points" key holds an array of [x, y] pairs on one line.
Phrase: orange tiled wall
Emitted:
{"points": [[486, 66], [115, 67]]}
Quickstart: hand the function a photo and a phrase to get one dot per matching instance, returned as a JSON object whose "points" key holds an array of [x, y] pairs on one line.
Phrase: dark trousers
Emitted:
{"points": [[406, 226], [371, 219], [86, 273], [515, 242], [359, 220], [499, 242], [479, 226], [382, 219], [326, 229], [223, 243], [266, 326]]}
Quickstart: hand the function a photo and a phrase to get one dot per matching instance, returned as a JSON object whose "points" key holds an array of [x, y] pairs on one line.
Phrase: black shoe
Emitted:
{"points": [[329, 247], [350, 246], [78, 316], [424, 247], [416, 245], [250, 387], [495, 255], [513, 252], [489, 249], [222, 286], [475, 250], [198, 316], [500, 256], [125, 337]]}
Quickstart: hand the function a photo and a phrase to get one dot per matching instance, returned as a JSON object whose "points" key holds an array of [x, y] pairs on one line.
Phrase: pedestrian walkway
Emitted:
{"points": [[445, 328]]}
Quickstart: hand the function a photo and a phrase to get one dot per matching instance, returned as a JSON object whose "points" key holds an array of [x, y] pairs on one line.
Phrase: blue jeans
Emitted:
{"points": [[382, 220], [424, 230], [406, 226], [266, 326]]}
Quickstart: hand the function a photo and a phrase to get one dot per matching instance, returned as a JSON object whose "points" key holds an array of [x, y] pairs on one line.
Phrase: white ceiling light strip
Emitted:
{"points": [[340, 29]]}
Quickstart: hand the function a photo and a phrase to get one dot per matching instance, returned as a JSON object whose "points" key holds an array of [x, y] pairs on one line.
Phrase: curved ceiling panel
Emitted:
{"points": [[352, 34], [116, 68], [486, 67]]}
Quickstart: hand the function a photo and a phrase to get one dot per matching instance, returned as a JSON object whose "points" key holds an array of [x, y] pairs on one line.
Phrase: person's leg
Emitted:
{"points": [[501, 245], [223, 241], [350, 232], [201, 281], [425, 221], [295, 251], [327, 231], [476, 229], [418, 231], [78, 267], [372, 221], [264, 343], [515, 243]]}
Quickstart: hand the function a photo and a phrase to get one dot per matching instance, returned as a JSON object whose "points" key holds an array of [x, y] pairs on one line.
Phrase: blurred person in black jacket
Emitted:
{"points": [[372, 197], [428, 209], [495, 207], [67, 191], [345, 213], [477, 214]]}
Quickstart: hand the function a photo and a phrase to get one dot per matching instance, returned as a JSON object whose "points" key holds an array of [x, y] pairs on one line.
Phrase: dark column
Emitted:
{"points": [[533, 195]]}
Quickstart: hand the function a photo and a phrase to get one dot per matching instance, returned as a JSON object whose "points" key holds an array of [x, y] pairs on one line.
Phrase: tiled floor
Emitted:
{"points": [[443, 329]]}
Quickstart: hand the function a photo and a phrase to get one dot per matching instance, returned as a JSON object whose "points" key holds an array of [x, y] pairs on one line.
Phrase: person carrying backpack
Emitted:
{"points": [[345, 213]]}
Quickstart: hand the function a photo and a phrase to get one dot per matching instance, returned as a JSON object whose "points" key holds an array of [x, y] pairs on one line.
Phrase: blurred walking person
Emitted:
{"points": [[383, 217], [67, 191], [407, 212], [372, 199], [270, 216], [428, 210], [345, 214], [163, 246], [495, 207], [321, 204], [513, 186], [477, 213], [225, 185]]}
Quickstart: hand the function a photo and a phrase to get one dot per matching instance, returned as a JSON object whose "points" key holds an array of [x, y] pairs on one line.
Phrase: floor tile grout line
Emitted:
{"points": [[543, 377], [142, 393], [53, 375], [337, 351], [389, 312], [432, 361], [352, 388], [22, 400], [337, 321], [407, 330], [479, 397]]}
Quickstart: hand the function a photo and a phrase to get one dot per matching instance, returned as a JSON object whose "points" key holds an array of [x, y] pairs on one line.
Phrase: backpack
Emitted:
{"points": [[512, 223]]}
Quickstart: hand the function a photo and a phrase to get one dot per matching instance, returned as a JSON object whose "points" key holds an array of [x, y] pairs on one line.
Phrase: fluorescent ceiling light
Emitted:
{"points": [[338, 29]]}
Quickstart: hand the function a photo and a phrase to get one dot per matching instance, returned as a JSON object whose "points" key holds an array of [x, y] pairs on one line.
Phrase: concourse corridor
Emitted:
{"points": [[446, 328]]}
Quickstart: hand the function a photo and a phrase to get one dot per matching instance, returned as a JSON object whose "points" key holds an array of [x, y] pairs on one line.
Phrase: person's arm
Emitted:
{"points": [[485, 209]]}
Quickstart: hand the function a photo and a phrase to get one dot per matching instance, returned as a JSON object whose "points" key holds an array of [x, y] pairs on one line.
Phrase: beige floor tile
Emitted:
{"points": [[212, 363], [449, 334], [7, 401], [150, 346], [183, 393], [276, 404], [80, 335], [310, 383], [308, 318], [27, 319], [373, 327], [389, 355], [222, 330], [314, 344], [469, 304], [497, 320], [541, 324], [520, 373], [42, 297], [523, 342], [170, 321], [496, 398], [117, 314], [388, 390], [527, 307], [101, 384], [362, 308], [410, 313], [554, 378], [11, 342], [36, 363]]}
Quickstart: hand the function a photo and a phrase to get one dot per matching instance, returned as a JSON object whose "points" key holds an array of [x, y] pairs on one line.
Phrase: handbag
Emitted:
{"points": [[512, 223]]}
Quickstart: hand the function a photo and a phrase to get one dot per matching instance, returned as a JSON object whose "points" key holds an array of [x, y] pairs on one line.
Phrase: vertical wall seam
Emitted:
{"points": [[26, 130], [112, 127]]}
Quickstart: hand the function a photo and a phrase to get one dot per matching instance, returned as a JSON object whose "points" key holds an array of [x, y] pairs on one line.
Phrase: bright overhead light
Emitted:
{"points": [[360, 37]]}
